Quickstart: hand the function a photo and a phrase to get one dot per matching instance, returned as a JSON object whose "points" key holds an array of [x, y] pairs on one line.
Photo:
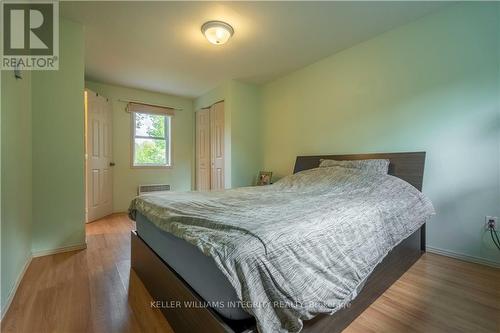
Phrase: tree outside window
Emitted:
{"points": [[151, 140]]}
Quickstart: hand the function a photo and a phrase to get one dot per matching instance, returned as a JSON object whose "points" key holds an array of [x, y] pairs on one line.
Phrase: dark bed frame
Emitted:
{"points": [[165, 285]]}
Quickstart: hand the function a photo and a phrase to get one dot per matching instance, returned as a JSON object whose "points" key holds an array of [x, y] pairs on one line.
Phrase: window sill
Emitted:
{"points": [[151, 166]]}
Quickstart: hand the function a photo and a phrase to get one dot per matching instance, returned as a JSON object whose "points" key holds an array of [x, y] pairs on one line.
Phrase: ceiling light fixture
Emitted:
{"points": [[217, 32]]}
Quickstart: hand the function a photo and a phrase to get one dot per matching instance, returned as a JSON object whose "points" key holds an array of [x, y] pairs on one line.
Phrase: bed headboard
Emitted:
{"points": [[407, 166]]}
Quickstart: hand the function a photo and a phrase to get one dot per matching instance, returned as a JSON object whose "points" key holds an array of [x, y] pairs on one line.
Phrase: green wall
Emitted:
{"points": [[125, 178], [245, 139], [58, 164], [242, 126], [16, 179], [431, 85]]}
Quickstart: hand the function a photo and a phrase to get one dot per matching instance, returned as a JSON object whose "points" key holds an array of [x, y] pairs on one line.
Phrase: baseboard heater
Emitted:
{"points": [[142, 189]]}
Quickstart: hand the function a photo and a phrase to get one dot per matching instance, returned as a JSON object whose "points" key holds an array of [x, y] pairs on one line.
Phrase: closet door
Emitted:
{"points": [[217, 146], [203, 150]]}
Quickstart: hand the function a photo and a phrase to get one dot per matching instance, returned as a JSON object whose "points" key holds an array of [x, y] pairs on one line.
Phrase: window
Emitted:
{"points": [[151, 140]]}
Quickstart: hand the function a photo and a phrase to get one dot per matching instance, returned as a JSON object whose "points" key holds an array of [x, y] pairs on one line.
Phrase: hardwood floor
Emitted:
{"points": [[94, 291], [91, 290]]}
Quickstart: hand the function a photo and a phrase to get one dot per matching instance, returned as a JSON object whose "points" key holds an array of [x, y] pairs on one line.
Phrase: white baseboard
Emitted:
{"points": [[16, 285], [59, 250], [463, 257]]}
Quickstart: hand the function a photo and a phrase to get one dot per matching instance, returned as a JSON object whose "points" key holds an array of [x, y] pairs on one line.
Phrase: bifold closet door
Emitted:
{"points": [[217, 146], [210, 148], [203, 150]]}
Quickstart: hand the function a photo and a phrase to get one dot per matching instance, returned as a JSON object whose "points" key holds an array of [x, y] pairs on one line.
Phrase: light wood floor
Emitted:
{"points": [[94, 291]]}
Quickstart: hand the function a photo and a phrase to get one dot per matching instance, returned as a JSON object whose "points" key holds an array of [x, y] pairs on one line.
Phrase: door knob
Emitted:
{"points": [[111, 163]]}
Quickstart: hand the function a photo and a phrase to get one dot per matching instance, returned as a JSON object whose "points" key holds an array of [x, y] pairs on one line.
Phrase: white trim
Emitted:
{"points": [[16, 285], [59, 250], [463, 257]]}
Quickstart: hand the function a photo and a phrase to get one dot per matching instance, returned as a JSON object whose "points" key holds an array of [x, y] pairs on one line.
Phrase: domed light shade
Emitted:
{"points": [[217, 32]]}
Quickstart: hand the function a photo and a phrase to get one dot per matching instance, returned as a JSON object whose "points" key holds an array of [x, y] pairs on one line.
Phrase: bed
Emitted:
{"points": [[195, 293]]}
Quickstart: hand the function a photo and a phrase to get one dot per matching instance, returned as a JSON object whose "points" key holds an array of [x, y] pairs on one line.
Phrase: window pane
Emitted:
{"points": [[149, 125], [150, 151]]}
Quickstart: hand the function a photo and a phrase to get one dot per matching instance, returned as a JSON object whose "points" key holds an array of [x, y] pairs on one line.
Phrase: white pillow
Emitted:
{"points": [[380, 166]]}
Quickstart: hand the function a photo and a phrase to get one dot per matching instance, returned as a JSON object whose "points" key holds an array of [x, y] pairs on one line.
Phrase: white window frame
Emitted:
{"points": [[167, 138]]}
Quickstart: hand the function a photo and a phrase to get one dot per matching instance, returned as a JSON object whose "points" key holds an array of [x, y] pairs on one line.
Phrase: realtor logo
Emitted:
{"points": [[30, 35]]}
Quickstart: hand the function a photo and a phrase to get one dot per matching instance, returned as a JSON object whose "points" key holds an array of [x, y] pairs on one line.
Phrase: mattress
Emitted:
{"points": [[197, 269]]}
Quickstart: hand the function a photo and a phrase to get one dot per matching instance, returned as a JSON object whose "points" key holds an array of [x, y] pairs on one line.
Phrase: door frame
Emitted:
{"points": [[85, 150]]}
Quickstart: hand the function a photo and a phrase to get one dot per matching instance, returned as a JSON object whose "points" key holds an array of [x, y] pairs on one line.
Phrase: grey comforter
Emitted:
{"points": [[300, 247]]}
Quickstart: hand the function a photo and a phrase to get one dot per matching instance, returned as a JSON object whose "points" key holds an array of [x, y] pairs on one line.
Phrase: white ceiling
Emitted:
{"points": [[158, 46]]}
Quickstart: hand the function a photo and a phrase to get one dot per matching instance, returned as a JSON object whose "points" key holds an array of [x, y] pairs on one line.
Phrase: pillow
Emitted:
{"points": [[380, 166]]}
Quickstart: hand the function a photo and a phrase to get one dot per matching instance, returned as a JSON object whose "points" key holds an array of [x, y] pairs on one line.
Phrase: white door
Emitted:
{"points": [[217, 146], [203, 150], [99, 156]]}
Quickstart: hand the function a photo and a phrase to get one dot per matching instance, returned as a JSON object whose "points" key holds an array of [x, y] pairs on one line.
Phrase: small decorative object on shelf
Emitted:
{"points": [[264, 178]]}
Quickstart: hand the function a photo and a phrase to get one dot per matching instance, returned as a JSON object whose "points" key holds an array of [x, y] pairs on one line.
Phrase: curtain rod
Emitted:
{"points": [[150, 104]]}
